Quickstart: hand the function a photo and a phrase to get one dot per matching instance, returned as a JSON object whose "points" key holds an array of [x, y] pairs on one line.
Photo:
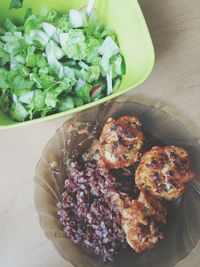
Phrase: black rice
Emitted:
{"points": [[86, 212]]}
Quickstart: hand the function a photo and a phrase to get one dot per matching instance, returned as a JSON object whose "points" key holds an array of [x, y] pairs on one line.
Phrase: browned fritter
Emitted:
{"points": [[143, 220], [164, 172], [121, 141]]}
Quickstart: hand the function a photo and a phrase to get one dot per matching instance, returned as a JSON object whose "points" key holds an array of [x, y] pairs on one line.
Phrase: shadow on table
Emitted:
{"points": [[161, 18]]}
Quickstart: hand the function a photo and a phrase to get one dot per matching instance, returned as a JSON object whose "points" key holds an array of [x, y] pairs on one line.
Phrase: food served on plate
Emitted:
{"points": [[85, 211], [143, 219], [121, 141], [103, 207], [55, 62], [164, 172]]}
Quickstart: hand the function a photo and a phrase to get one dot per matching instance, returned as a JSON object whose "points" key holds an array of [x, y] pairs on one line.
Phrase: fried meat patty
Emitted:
{"points": [[120, 142], [164, 172], [143, 220]]}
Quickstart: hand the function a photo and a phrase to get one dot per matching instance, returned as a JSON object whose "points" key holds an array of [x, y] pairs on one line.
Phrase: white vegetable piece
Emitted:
{"points": [[55, 36], [27, 97], [15, 60], [79, 84], [11, 37], [49, 28], [37, 35], [14, 98], [63, 37], [51, 58], [66, 72], [109, 82], [83, 65], [69, 72], [109, 47], [58, 52], [61, 73], [105, 63], [75, 18]]}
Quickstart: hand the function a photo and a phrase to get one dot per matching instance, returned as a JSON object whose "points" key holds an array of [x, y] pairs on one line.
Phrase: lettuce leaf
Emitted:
{"points": [[93, 56], [31, 23], [117, 66], [13, 48], [54, 64], [75, 46], [78, 101], [49, 15], [37, 36], [18, 111], [26, 98], [9, 25], [92, 74], [4, 57], [84, 92], [65, 104], [4, 84], [20, 85], [62, 22], [51, 100], [6, 102], [38, 101], [46, 81]]}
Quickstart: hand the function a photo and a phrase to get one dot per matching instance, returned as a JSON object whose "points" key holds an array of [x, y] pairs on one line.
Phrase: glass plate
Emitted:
{"points": [[183, 229]]}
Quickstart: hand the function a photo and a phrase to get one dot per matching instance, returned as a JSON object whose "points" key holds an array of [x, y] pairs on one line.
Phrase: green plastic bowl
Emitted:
{"points": [[125, 17]]}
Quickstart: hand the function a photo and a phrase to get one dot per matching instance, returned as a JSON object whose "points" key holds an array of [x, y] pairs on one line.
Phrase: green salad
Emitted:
{"points": [[55, 62]]}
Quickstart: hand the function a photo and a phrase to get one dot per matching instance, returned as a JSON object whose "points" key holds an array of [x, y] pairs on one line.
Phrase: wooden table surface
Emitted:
{"points": [[174, 85]]}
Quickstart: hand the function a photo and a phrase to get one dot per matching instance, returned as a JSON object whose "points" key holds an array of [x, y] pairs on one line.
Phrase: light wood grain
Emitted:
{"points": [[174, 85]]}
